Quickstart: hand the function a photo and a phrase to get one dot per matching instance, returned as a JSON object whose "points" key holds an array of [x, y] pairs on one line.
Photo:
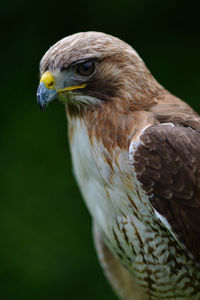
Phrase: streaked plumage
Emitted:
{"points": [[135, 151]]}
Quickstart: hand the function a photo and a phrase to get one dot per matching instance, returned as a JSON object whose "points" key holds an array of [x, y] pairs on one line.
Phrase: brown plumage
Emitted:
{"points": [[136, 156]]}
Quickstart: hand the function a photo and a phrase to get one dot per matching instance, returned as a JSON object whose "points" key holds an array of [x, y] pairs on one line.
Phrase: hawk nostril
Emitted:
{"points": [[51, 83]]}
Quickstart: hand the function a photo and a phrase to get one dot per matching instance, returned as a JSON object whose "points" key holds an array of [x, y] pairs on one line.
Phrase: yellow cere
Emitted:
{"points": [[48, 80]]}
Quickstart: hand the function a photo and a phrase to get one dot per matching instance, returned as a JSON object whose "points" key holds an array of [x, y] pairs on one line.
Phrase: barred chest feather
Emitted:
{"points": [[131, 228]]}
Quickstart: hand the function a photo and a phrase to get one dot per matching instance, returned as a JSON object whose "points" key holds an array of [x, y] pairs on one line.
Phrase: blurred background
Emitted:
{"points": [[46, 247]]}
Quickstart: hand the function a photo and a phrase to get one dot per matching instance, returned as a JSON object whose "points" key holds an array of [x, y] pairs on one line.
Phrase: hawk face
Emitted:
{"points": [[91, 68], [67, 83]]}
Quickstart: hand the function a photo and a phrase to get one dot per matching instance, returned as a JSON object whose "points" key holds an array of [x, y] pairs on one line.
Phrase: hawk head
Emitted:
{"points": [[90, 68]]}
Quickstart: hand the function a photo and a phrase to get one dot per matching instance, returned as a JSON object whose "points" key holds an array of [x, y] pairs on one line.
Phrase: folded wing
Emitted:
{"points": [[167, 164]]}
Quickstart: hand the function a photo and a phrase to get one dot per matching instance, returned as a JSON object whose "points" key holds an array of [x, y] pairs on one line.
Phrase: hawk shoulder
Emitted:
{"points": [[166, 161]]}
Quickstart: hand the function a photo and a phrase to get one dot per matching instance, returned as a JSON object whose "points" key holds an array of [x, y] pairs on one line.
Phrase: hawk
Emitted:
{"points": [[136, 156]]}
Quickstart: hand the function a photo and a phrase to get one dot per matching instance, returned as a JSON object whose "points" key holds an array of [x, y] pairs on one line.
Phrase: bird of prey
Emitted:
{"points": [[136, 156]]}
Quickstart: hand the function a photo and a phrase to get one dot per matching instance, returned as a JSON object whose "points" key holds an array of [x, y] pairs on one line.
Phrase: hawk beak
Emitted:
{"points": [[46, 91], [45, 95]]}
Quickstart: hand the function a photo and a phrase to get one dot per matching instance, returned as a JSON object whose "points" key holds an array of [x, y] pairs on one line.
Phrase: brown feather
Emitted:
{"points": [[176, 191]]}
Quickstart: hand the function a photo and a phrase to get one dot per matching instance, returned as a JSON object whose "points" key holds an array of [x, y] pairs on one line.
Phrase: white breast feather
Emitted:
{"points": [[108, 201]]}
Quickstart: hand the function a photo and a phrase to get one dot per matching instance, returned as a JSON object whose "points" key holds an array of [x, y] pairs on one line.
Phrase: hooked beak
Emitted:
{"points": [[46, 91], [45, 95]]}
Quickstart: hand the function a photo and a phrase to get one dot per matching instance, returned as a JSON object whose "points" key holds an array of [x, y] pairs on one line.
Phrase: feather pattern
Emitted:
{"points": [[126, 218], [135, 152]]}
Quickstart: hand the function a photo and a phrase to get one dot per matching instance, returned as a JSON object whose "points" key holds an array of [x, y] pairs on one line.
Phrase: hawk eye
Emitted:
{"points": [[86, 68]]}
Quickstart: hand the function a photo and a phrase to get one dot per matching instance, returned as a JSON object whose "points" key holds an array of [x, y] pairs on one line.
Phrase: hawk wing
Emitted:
{"points": [[167, 164]]}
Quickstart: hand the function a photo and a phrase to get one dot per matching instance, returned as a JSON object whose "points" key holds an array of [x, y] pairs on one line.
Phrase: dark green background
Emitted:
{"points": [[46, 247]]}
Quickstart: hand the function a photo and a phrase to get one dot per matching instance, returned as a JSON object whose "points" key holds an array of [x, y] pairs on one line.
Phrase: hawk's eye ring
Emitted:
{"points": [[86, 68]]}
